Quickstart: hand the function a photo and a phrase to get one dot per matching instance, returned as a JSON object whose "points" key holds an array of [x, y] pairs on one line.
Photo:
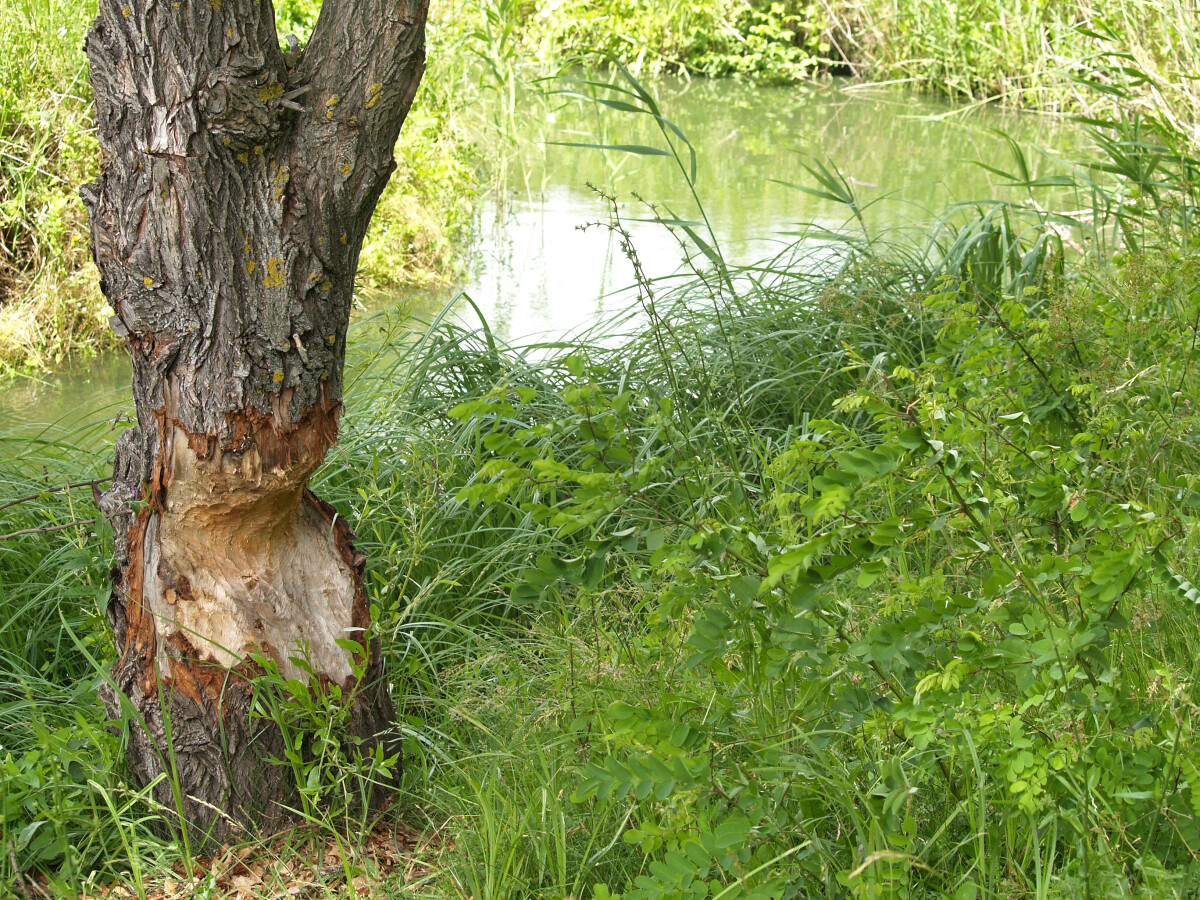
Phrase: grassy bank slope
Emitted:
{"points": [[1020, 52], [1027, 53]]}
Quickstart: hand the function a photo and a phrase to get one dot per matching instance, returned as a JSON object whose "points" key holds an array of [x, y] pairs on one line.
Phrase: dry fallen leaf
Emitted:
{"points": [[299, 865]]}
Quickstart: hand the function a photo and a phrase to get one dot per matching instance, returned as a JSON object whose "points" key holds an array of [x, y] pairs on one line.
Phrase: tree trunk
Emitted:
{"points": [[227, 221]]}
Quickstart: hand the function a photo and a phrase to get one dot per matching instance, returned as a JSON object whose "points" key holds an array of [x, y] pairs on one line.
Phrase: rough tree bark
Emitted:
{"points": [[227, 221]]}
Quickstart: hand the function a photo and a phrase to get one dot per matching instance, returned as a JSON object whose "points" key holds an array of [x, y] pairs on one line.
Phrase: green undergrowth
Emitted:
{"points": [[1027, 54], [1018, 52], [64, 805], [1038, 56], [49, 304], [870, 583]]}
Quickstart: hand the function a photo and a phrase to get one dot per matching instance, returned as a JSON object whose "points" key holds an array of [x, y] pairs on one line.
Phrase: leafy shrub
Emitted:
{"points": [[934, 637], [768, 41], [336, 776], [62, 810], [775, 42]]}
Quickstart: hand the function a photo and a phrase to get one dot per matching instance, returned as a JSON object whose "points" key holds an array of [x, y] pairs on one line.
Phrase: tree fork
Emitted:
{"points": [[227, 221]]}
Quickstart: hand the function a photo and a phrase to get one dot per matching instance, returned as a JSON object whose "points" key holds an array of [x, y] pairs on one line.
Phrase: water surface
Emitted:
{"points": [[546, 264]]}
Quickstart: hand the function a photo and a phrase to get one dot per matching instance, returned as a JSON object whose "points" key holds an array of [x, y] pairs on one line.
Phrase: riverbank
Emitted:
{"points": [[1018, 52], [869, 581], [1011, 51]]}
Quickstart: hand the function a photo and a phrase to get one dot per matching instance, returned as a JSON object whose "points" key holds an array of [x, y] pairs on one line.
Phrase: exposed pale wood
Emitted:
{"points": [[227, 222]]}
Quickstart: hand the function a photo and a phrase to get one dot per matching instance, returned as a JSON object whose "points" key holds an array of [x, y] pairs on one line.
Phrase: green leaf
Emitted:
{"points": [[832, 502], [870, 572], [636, 149], [655, 538]]}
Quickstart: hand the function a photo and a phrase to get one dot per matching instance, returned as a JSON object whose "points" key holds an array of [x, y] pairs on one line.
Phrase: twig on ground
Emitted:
{"points": [[54, 490], [18, 874], [47, 529]]}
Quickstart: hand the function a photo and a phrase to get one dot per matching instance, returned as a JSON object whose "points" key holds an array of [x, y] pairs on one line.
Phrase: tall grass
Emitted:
{"points": [[65, 809], [49, 305], [553, 635], [1024, 53], [754, 749]]}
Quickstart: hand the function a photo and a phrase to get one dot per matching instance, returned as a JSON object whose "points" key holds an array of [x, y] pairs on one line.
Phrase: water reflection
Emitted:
{"points": [[542, 270], [543, 265]]}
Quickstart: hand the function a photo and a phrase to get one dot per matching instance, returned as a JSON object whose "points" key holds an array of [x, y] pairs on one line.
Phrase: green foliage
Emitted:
{"points": [[938, 641], [1024, 52], [62, 810], [776, 42], [336, 775], [424, 218], [65, 810], [298, 17], [767, 41], [48, 307]]}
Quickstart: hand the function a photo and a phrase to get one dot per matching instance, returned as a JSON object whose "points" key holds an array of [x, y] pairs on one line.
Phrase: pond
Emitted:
{"points": [[544, 264]]}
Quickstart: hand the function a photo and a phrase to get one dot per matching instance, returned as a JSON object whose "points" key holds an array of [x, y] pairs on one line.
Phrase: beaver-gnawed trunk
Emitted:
{"points": [[227, 221]]}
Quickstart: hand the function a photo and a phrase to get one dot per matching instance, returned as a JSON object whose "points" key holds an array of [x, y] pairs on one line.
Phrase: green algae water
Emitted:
{"points": [[545, 267], [543, 262]]}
